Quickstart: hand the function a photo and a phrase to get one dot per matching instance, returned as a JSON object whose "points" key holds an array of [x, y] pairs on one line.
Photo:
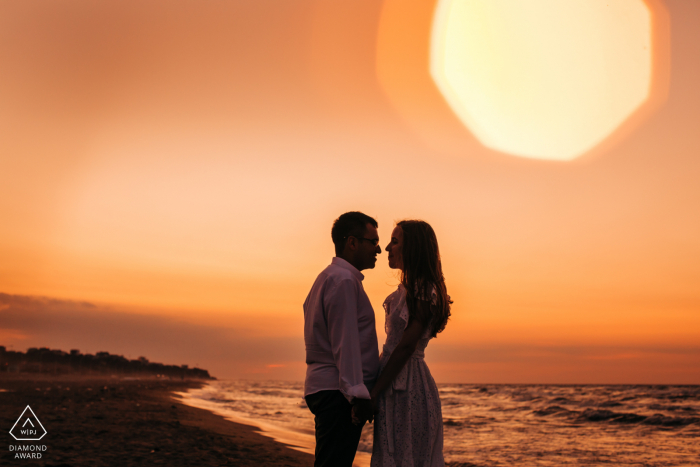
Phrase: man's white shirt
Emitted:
{"points": [[340, 334]]}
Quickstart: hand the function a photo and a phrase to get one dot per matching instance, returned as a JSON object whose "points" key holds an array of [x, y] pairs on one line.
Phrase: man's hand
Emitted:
{"points": [[362, 411]]}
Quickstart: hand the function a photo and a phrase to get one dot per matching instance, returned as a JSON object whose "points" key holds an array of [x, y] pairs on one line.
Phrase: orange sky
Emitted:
{"points": [[179, 165]]}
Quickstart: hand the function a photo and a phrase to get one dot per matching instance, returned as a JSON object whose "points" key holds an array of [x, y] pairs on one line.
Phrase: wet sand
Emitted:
{"points": [[103, 421]]}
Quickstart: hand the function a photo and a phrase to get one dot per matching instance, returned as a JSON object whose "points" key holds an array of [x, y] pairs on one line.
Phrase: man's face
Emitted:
{"points": [[368, 248]]}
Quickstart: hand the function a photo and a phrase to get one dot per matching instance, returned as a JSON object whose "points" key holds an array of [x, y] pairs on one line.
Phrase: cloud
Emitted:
{"points": [[226, 351], [236, 350]]}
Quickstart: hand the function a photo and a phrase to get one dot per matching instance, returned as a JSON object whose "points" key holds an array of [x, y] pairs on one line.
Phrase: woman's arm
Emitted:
{"points": [[402, 353]]}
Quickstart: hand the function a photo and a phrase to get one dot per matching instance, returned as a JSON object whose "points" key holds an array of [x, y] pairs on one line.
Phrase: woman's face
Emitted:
{"points": [[394, 248]]}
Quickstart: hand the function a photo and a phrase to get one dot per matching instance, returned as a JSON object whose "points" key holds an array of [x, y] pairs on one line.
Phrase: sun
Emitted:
{"points": [[543, 79]]}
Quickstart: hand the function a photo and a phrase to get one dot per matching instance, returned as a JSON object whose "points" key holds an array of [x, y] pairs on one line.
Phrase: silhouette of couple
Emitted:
{"points": [[347, 382]]}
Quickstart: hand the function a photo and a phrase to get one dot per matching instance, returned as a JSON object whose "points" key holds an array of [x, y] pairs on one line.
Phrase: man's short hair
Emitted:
{"points": [[350, 224]]}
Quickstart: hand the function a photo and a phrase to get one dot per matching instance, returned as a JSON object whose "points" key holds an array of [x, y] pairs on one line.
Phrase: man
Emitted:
{"points": [[342, 354]]}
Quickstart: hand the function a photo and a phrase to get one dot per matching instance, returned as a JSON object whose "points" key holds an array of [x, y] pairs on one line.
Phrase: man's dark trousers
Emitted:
{"points": [[336, 437]]}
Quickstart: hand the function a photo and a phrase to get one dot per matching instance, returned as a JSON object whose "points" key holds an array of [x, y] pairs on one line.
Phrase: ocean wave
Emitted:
{"points": [[523, 408], [594, 415], [673, 408], [271, 392], [609, 404], [219, 399], [448, 401], [662, 420], [468, 423], [560, 400], [551, 410], [489, 425], [682, 393], [525, 398], [683, 396]]}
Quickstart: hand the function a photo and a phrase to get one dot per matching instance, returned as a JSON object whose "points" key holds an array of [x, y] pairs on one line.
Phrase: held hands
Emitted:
{"points": [[362, 410]]}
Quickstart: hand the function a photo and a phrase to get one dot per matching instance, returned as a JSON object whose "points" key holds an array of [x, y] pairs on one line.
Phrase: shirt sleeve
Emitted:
{"points": [[341, 315]]}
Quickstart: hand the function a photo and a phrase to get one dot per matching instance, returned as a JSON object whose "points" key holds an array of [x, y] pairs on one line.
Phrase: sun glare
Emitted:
{"points": [[542, 79]]}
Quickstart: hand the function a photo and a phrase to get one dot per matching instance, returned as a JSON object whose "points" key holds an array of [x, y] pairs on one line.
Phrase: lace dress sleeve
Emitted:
{"points": [[403, 310], [427, 333]]}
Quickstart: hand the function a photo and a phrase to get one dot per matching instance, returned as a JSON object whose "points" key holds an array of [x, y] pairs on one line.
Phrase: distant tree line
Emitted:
{"points": [[45, 360]]}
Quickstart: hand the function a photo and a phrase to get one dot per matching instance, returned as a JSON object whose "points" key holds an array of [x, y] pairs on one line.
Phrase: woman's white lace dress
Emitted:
{"points": [[408, 426]]}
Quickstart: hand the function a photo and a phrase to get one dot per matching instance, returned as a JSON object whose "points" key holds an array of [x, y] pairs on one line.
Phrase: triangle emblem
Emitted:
{"points": [[28, 427]]}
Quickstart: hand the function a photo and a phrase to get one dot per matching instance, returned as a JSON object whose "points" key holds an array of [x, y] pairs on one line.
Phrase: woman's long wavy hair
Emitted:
{"points": [[422, 270]]}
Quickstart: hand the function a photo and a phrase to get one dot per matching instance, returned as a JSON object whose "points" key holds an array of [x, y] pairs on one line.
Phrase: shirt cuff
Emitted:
{"points": [[359, 391]]}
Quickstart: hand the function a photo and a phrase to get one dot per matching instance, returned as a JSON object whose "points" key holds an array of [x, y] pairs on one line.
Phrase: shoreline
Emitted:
{"points": [[301, 442], [110, 421]]}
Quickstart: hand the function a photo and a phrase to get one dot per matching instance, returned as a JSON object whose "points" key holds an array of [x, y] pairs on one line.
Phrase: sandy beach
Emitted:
{"points": [[103, 421]]}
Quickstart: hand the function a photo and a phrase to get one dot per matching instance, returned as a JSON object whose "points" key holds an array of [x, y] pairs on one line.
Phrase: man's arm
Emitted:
{"points": [[340, 303]]}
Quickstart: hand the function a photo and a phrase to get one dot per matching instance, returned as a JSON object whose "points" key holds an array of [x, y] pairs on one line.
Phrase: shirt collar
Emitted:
{"points": [[345, 265]]}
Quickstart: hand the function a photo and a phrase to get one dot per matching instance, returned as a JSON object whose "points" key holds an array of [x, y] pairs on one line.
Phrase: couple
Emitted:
{"points": [[347, 382]]}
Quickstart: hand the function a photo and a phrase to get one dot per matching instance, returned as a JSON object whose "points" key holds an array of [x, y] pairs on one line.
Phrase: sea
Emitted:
{"points": [[503, 425]]}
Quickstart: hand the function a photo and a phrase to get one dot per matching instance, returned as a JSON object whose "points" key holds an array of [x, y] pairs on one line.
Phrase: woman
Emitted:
{"points": [[408, 422]]}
